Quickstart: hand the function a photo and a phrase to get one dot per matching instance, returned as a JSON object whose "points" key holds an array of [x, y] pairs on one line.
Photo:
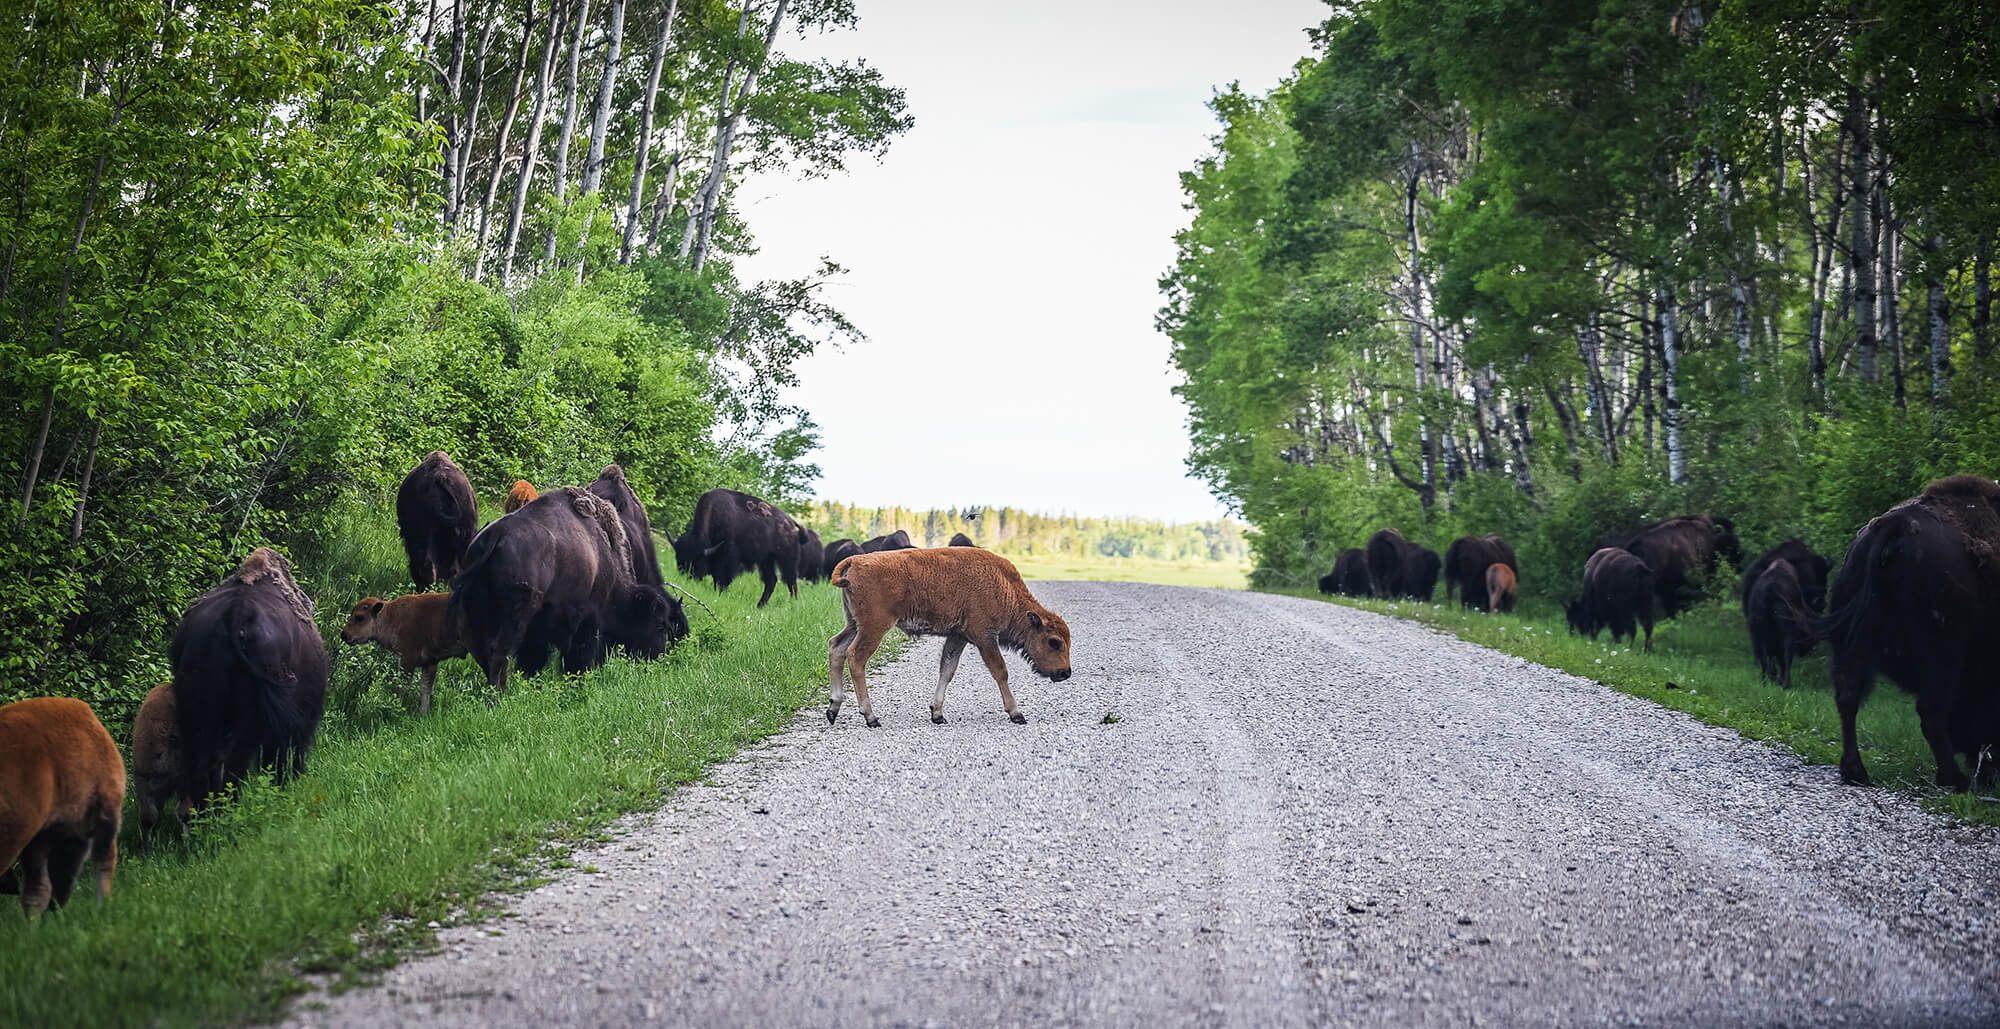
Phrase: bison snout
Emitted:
{"points": [[1059, 674]]}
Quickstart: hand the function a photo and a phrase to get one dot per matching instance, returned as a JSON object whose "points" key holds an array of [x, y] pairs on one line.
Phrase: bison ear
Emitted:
{"points": [[377, 609], [1034, 619]]}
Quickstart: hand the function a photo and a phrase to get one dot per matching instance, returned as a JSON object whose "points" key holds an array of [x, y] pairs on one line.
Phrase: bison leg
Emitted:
{"points": [[1934, 711], [1850, 688], [35, 878], [836, 669], [65, 863], [424, 687], [767, 570], [947, 667], [996, 664], [857, 658]]}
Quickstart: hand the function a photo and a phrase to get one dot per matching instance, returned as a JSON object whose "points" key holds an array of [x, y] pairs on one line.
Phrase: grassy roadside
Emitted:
{"points": [[404, 818], [1705, 655]]}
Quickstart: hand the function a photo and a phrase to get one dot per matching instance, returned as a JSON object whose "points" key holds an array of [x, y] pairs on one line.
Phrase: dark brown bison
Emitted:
{"points": [[1617, 595], [1917, 592], [62, 788], [836, 552], [518, 497], [966, 595], [812, 558], [437, 516], [959, 539], [612, 488], [249, 676], [157, 769], [1682, 554], [558, 573], [1420, 572], [1465, 565], [1500, 588], [1813, 571], [898, 540], [733, 532], [1780, 622], [1350, 576], [417, 628], [1385, 561]]}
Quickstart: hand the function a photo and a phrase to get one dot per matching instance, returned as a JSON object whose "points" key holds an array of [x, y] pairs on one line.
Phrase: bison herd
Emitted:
{"points": [[570, 571], [1916, 587]]}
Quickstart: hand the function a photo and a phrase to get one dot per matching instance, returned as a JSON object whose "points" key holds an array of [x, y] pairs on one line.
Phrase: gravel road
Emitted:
{"points": [[1304, 815]]}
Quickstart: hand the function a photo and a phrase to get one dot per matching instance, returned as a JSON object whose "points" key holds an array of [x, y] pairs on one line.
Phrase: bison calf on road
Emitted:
{"points": [[417, 627], [963, 594], [62, 786]]}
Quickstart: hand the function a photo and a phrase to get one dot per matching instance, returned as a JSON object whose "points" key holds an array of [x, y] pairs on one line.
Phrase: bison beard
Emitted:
{"points": [[249, 676], [732, 532], [1916, 593], [437, 517], [558, 573], [967, 595]]}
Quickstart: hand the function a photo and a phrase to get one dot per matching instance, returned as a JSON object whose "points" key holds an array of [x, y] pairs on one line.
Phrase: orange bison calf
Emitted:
{"points": [[62, 785], [518, 497], [417, 627], [964, 594], [156, 759], [1499, 588]]}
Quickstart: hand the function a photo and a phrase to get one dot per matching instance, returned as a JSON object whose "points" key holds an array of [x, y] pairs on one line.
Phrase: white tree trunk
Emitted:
{"points": [[543, 81], [500, 145], [593, 165], [570, 104], [709, 197], [469, 128], [1670, 353], [655, 63]]}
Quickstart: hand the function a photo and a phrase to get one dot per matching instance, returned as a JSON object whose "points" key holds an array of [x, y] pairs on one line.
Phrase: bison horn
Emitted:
{"points": [[710, 551]]}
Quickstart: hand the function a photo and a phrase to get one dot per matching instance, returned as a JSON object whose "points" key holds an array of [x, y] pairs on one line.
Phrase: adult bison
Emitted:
{"points": [[1813, 572], [1617, 595], [733, 532], [1349, 577], [1385, 552], [812, 558], [1465, 564], [898, 540], [612, 488], [558, 573], [1780, 622], [1682, 554], [1917, 592], [437, 516], [836, 552], [959, 539], [249, 676]]}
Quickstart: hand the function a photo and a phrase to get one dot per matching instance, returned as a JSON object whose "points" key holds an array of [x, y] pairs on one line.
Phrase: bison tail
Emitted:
{"points": [[444, 504], [839, 576], [259, 647], [1848, 607]]}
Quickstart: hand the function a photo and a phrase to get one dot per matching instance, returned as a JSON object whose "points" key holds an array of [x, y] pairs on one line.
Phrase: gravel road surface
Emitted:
{"points": [[1304, 814]]}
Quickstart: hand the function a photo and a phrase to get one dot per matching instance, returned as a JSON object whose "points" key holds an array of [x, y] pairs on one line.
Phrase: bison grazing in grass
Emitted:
{"points": [[1917, 592], [1500, 588], [1813, 572], [733, 532], [966, 595], [249, 676], [812, 558], [157, 770], [518, 497], [1349, 577], [1780, 623], [612, 488], [1682, 553], [1399, 568], [437, 516], [62, 788], [558, 573], [1465, 565], [898, 540], [1617, 595], [836, 552], [417, 628]]}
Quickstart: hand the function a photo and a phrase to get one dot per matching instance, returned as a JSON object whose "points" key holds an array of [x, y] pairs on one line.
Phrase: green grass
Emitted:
{"points": [[1116, 569], [1705, 655], [401, 819]]}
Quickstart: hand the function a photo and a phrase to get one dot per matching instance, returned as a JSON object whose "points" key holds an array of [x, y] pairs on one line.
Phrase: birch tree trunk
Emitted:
{"points": [[500, 145], [1940, 337], [1861, 242], [455, 201], [526, 177], [454, 126], [593, 165], [570, 104], [1670, 354], [1982, 300], [655, 63], [709, 197], [1891, 302]]}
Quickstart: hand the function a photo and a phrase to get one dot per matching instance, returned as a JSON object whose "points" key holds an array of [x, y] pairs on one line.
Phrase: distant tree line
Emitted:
{"points": [[1007, 530], [1555, 270], [257, 260]]}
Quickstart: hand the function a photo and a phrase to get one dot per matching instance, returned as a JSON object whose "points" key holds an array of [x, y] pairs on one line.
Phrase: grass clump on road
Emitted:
{"points": [[1701, 664], [403, 820]]}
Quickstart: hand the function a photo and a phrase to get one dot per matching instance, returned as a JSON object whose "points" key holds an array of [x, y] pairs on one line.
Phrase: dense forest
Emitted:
{"points": [[1006, 530], [260, 258], [1557, 269]]}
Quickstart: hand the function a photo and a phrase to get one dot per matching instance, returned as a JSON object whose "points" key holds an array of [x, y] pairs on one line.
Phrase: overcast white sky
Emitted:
{"points": [[1004, 257]]}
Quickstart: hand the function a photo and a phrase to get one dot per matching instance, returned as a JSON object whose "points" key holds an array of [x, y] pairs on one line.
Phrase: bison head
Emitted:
{"points": [[692, 553], [360, 625], [647, 621], [1047, 645]]}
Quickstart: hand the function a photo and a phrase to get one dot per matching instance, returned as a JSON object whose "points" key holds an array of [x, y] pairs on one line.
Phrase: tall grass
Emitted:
{"points": [[400, 819], [1701, 664]]}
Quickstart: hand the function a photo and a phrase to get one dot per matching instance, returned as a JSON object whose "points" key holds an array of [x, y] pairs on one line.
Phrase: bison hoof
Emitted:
{"points": [[874, 723], [832, 713], [937, 719], [1853, 773], [1018, 718], [1954, 781]]}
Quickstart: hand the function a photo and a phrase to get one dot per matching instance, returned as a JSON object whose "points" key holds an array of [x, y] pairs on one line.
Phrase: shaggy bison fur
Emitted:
{"points": [[733, 532], [898, 540], [812, 558], [1780, 622], [437, 516], [612, 488], [518, 497], [1500, 588], [1465, 565], [1682, 554], [964, 594], [62, 788], [1350, 577], [959, 539], [1617, 595], [1399, 568]]}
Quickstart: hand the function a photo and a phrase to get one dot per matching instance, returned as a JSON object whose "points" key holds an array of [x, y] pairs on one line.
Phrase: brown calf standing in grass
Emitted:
{"points": [[416, 627], [1499, 588], [518, 497], [62, 785], [156, 759], [964, 594]]}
